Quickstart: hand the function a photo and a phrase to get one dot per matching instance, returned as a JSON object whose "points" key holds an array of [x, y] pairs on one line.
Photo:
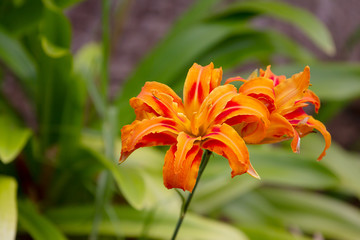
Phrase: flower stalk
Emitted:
{"points": [[185, 205]]}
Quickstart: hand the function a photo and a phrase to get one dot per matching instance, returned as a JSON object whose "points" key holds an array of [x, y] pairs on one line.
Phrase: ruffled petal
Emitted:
{"points": [[261, 89], [198, 84], [157, 99], [309, 97], [182, 162], [247, 115], [211, 107], [148, 132], [279, 129], [225, 141], [307, 125], [270, 75], [291, 90]]}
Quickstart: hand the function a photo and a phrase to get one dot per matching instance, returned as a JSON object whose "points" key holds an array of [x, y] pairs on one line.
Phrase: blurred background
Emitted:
{"points": [[68, 69]]}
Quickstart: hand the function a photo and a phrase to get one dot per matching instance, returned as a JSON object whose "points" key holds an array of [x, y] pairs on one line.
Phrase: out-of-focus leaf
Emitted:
{"points": [[217, 188], [37, 225], [56, 31], [12, 138], [14, 55], [344, 164], [198, 11], [252, 45], [251, 209], [270, 233], [306, 22], [60, 4], [87, 64], [129, 180], [21, 18], [316, 213], [77, 221], [145, 164], [330, 81], [8, 216], [55, 80], [52, 50], [277, 166]]}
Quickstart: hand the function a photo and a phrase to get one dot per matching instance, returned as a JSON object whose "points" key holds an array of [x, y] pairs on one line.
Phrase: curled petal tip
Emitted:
{"points": [[123, 157], [253, 173]]}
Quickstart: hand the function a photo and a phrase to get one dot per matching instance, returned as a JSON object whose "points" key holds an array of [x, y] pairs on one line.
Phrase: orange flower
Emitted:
{"points": [[202, 120], [285, 100]]}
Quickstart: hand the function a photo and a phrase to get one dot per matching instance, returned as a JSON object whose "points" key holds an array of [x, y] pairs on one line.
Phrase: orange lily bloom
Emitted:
{"points": [[285, 100], [203, 120]]}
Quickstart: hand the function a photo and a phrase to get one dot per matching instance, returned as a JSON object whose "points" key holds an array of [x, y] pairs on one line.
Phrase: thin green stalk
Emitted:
{"points": [[185, 206], [106, 7], [103, 193]]}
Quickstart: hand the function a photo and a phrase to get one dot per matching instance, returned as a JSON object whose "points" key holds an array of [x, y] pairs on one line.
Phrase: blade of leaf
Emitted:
{"points": [[12, 138], [277, 166], [75, 221], [8, 216], [15, 56], [38, 226], [129, 180], [316, 213], [304, 20], [270, 233], [343, 163]]}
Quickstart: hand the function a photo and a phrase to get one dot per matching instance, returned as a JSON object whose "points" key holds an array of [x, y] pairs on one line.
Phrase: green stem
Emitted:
{"points": [[185, 206], [105, 46]]}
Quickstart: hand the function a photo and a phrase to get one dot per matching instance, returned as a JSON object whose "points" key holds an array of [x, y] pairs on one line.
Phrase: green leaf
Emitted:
{"points": [[304, 20], [270, 233], [77, 221], [252, 45], [15, 56], [60, 4], [197, 12], [316, 213], [277, 166], [87, 64], [343, 163], [38, 226], [19, 19], [56, 33], [325, 79], [217, 188], [8, 216], [53, 50], [129, 180], [12, 138]]}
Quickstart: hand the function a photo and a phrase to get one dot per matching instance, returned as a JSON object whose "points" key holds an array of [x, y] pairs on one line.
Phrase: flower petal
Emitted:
{"points": [[261, 89], [211, 107], [279, 129], [198, 84], [310, 97], [182, 162], [270, 75], [148, 132], [225, 141], [292, 90], [247, 115], [307, 125], [157, 99]]}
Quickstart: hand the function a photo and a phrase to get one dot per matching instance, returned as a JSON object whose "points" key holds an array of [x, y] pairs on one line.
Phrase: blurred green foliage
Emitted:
{"points": [[59, 178]]}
